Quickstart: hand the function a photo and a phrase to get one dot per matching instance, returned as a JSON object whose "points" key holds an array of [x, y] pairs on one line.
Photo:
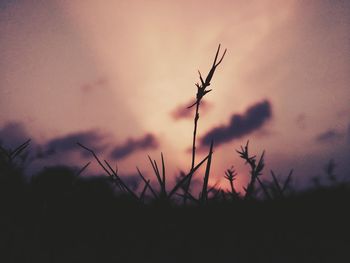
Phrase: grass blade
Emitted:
{"points": [[185, 178], [19, 149], [204, 197], [82, 169], [144, 190], [97, 159], [144, 179], [288, 180]]}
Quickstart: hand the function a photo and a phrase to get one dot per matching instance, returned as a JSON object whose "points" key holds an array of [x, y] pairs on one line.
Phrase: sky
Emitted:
{"points": [[118, 76]]}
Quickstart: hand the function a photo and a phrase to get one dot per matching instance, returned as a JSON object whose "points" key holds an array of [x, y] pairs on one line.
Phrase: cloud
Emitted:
{"points": [[5, 3], [329, 136], [13, 134], [182, 111], [68, 143], [240, 124], [133, 145]]}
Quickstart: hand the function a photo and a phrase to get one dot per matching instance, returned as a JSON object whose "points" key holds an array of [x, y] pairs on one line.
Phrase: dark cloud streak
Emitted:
{"points": [[12, 134], [329, 136], [68, 143], [240, 124], [133, 145]]}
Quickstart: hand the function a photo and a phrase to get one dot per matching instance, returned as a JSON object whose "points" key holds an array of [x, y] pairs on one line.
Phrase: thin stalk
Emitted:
{"points": [[204, 197], [232, 189], [201, 92], [142, 195], [196, 118], [96, 158], [149, 184], [263, 187], [185, 178], [83, 168]]}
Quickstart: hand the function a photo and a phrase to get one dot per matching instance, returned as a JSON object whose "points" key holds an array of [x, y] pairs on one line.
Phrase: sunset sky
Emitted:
{"points": [[118, 76]]}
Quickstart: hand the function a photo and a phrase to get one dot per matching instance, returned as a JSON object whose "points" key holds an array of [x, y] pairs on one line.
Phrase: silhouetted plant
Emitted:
{"points": [[184, 183], [147, 182], [8, 155], [255, 170], [279, 190], [160, 177], [83, 168], [230, 175], [204, 194], [113, 174], [201, 92]]}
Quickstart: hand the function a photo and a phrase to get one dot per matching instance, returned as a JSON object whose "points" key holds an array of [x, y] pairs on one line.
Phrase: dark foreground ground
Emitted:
{"points": [[62, 218]]}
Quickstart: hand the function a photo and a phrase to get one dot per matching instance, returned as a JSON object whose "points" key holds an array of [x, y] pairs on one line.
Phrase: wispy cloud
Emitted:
{"points": [[68, 142], [183, 112], [240, 124], [5, 3], [148, 141], [12, 134], [329, 136]]}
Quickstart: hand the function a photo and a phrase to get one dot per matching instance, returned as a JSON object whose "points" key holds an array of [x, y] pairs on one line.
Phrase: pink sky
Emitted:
{"points": [[123, 67]]}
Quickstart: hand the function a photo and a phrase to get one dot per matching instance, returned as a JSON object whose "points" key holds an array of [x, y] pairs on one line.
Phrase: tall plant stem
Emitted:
{"points": [[196, 118], [201, 92]]}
